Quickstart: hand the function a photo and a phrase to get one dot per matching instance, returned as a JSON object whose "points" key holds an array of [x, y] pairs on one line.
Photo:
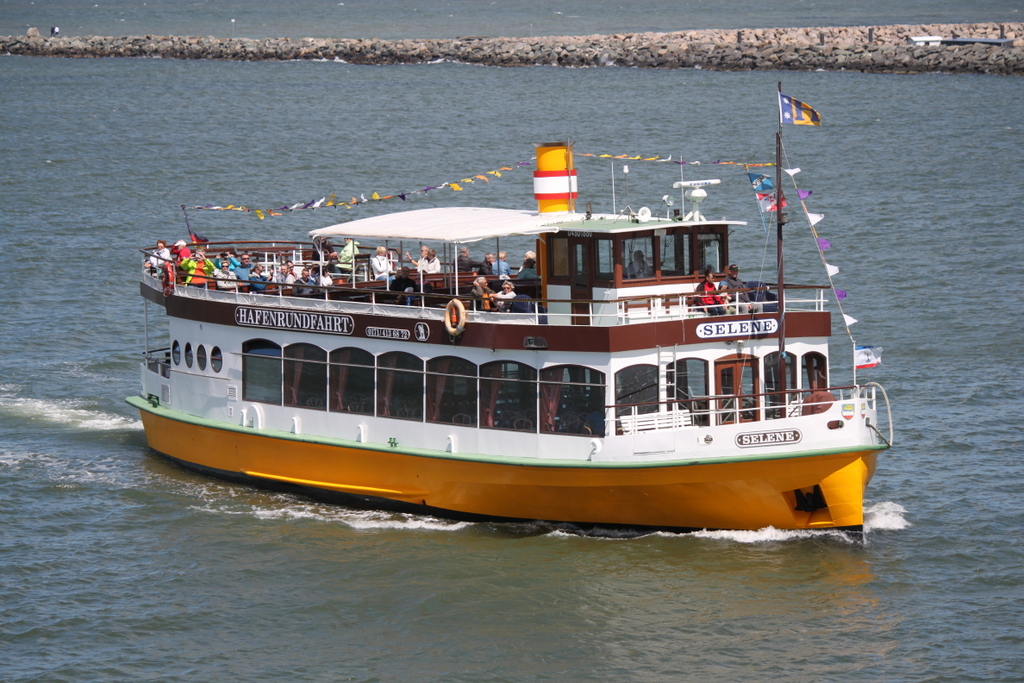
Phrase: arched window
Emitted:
{"points": [[400, 386], [637, 384], [305, 376], [688, 383], [508, 396], [451, 391], [815, 371], [771, 383], [351, 381], [572, 400], [261, 371]]}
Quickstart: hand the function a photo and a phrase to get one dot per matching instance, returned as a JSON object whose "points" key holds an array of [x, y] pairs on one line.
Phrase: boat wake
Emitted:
{"points": [[66, 412], [885, 516]]}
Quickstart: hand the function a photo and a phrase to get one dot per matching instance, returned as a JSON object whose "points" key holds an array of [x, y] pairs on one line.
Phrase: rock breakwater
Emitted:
{"points": [[881, 49]]}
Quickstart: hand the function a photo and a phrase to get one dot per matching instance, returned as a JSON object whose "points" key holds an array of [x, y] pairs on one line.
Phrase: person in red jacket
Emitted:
{"points": [[706, 299]]}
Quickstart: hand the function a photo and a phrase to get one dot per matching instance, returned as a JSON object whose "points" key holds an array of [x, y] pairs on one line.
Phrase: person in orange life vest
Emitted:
{"points": [[199, 269], [711, 303]]}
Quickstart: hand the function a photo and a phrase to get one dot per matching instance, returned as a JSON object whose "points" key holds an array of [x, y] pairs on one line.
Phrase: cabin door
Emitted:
{"points": [[580, 290], [736, 386]]}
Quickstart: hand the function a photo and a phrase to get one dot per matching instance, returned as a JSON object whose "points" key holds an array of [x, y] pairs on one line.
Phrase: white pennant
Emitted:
{"points": [[849, 320], [815, 218], [832, 270], [791, 171]]}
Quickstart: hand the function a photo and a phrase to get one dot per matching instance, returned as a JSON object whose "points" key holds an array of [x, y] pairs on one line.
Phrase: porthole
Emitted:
{"points": [[188, 354], [216, 359], [176, 352], [201, 357]]}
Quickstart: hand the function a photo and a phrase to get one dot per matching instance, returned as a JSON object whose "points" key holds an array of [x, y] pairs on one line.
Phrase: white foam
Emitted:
{"points": [[770, 535], [65, 412], [887, 516]]}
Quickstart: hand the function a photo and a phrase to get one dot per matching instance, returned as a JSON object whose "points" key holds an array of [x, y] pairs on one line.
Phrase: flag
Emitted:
{"points": [[760, 182], [796, 112], [195, 236], [867, 356], [824, 244], [767, 201]]}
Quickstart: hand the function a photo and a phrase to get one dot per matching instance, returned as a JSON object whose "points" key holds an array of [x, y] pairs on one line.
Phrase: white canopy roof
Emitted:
{"points": [[452, 224]]}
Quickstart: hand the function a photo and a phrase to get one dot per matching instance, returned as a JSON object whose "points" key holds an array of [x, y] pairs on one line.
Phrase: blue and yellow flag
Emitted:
{"points": [[796, 112]]}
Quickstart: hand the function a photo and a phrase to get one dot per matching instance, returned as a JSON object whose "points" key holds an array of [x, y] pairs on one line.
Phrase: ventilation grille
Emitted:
{"points": [[232, 392], [165, 394]]}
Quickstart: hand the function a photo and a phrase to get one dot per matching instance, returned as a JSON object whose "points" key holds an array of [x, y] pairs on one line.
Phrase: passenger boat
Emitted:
{"points": [[607, 396]]}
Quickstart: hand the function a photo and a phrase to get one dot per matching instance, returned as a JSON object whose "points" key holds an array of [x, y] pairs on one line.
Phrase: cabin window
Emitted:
{"points": [[637, 258], [709, 252], [559, 257], [508, 396], [400, 386], [216, 359], [451, 391], [351, 378], [771, 383], [188, 354], [815, 371], [675, 255], [305, 376], [261, 371], [201, 357], [688, 383], [572, 400], [605, 259], [637, 384], [176, 352]]}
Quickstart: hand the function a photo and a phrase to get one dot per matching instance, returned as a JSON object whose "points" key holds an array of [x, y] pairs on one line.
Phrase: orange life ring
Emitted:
{"points": [[455, 318], [168, 279]]}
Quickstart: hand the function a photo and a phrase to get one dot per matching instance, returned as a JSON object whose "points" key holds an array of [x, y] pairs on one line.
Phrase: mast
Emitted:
{"points": [[780, 220]]}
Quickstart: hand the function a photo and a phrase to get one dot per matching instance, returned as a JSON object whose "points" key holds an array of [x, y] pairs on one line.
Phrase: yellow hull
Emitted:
{"points": [[748, 493]]}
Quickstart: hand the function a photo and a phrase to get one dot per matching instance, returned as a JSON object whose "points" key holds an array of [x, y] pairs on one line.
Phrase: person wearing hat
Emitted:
{"points": [[741, 300], [180, 252]]}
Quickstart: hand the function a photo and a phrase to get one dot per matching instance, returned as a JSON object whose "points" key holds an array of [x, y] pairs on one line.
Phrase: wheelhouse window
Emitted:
{"points": [[772, 384], [815, 371], [605, 259], [508, 396], [400, 386], [305, 376], [559, 257], [688, 383], [709, 251], [572, 400], [637, 258], [261, 371], [451, 391], [351, 376], [636, 389], [675, 255]]}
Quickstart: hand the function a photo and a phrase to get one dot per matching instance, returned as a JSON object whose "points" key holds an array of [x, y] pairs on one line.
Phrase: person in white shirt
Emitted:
{"points": [[226, 278], [381, 264], [428, 262], [505, 296], [161, 255]]}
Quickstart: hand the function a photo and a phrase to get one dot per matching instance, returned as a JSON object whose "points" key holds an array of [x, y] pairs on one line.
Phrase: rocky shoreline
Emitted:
{"points": [[878, 49]]}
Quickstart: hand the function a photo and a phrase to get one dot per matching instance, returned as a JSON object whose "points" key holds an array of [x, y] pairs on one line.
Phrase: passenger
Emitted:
{"points": [[742, 304], [528, 256], [244, 267], [198, 269], [502, 265], [285, 275], [257, 279], [180, 252], [160, 256], [346, 257], [305, 284], [503, 299], [482, 291], [380, 265], [428, 262], [226, 278], [322, 277], [639, 267], [465, 264], [489, 266], [710, 303], [528, 271], [403, 283]]}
